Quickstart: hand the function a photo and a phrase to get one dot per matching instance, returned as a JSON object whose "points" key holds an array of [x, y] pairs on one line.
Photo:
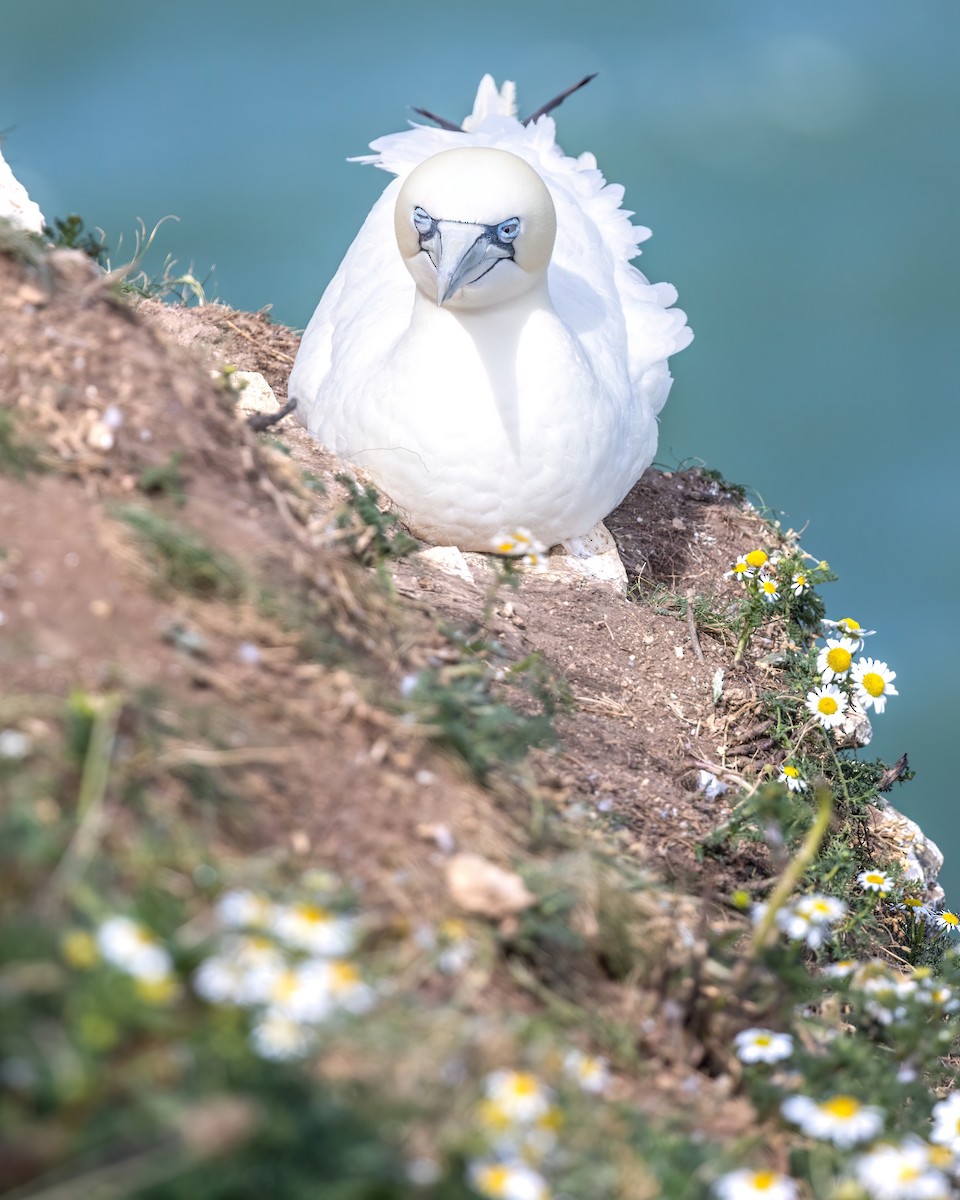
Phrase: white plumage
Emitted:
{"points": [[523, 388]]}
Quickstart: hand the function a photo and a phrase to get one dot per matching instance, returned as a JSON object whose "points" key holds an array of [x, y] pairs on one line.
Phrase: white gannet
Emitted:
{"points": [[505, 368]]}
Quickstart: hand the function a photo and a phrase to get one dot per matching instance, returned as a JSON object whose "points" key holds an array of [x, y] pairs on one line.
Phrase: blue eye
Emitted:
{"points": [[508, 230], [422, 221]]}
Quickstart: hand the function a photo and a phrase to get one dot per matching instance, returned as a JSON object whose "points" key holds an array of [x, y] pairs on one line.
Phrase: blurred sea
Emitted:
{"points": [[799, 166]]}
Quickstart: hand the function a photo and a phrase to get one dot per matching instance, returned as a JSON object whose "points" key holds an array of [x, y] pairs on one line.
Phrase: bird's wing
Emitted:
{"points": [[592, 280], [367, 304]]}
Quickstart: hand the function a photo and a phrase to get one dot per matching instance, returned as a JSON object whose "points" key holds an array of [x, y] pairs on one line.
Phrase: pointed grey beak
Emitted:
{"points": [[466, 253]]}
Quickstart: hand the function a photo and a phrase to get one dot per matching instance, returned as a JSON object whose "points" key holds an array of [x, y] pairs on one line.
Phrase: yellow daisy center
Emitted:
{"points": [[494, 1179], [800, 580], [312, 914], [849, 624], [344, 974], [762, 1039], [913, 901], [841, 1107], [740, 567], [769, 586], [875, 877], [763, 1181], [524, 1085], [838, 659], [873, 683], [756, 558], [285, 986], [949, 918], [792, 772], [827, 705]]}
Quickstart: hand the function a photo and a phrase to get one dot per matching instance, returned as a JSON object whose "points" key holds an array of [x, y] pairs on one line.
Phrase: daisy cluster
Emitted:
{"points": [[809, 918], [289, 963], [764, 578], [889, 1169], [519, 1120], [848, 686]]}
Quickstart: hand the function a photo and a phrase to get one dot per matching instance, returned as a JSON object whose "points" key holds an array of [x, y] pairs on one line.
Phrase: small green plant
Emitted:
{"points": [[70, 232], [371, 533], [182, 561], [17, 457], [165, 479]]}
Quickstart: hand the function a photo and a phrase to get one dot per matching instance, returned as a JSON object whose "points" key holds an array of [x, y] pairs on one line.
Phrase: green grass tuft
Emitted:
{"points": [[182, 560]]}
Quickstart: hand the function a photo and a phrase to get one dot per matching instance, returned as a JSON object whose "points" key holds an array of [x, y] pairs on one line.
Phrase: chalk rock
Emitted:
{"points": [[908, 845], [15, 204], [480, 886]]}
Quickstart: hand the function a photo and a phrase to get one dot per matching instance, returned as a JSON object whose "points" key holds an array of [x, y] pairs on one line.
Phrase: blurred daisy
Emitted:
{"points": [[828, 704], [902, 1172], [791, 776], [132, 948], [808, 918], [517, 542], [242, 909], [314, 929], [762, 1045], [799, 583], [281, 1038], [591, 1072], [755, 1185], [346, 987], [946, 1123], [873, 683], [242, 972], [507, 1181], [843, 1120], [848, 627], [519, 1095], [939, 994], [842, 969], [875, 881], [835, 659]]}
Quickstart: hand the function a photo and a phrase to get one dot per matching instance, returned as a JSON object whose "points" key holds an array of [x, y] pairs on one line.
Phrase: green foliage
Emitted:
{"points": [[181, 560], [371, 533], [70, 232], [165, 479], [467, 705], [17, 457]]}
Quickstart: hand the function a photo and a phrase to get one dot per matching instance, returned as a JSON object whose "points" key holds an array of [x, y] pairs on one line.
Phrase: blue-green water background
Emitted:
{"points": [[799, 165]]}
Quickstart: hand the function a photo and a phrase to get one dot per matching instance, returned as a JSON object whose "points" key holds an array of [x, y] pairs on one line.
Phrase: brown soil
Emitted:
{"points": [[308, 731]]}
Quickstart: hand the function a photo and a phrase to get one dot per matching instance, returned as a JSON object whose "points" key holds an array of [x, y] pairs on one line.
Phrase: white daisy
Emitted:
{"points": [[589, 1071], [875, 881], [843, 1120], [849, 628], [873, 683], [280, 1038], [519, 1095], [243, 909], [791, 776], [946, 920], [799, 583], [820, 909], [901, 1172], [314, 929], [836, 658], [762, 1045], [132, 948], [507, 1181], [841, 969], [946, 1123], [828, 704], [740, 570], [242, 971], [767, 588], [754, 1185], [516, 543]]}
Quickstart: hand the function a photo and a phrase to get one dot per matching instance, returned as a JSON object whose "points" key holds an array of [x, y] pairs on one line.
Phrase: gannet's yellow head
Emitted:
{"points": [[475, 227]]}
